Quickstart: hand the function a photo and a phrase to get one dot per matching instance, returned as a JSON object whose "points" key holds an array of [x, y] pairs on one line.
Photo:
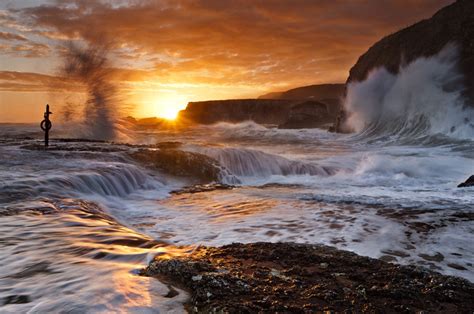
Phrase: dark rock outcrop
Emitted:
{"points": [[302, 278], [272, 108], [452, 24], [468, 182], [309, 114], [286, 113]]}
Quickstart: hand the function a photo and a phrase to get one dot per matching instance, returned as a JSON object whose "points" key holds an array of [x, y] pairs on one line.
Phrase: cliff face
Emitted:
{"points": [[286, 113], [263, 111], [452, 24], [309, 114], [305, 107]]}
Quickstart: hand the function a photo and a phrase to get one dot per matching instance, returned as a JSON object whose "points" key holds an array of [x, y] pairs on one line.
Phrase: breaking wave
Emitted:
{"points": [[423, 100]]}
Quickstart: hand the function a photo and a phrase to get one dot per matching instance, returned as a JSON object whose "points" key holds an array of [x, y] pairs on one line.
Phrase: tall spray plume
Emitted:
{"points": [[90, 67], [424, 98]]}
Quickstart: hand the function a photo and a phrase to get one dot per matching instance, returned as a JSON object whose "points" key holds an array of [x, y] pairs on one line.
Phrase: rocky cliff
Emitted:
{"points": [[303, 107], [263, 111], [286, 113], [452, 24]]}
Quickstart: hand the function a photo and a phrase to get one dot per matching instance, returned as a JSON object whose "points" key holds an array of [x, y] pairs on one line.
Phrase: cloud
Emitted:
{"points": [[259, 43], [11, 36], [26, 50], [11, 81]]}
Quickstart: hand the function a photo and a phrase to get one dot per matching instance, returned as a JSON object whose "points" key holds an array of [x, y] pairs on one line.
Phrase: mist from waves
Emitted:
{"points": [[423, 100], [90, 66]]}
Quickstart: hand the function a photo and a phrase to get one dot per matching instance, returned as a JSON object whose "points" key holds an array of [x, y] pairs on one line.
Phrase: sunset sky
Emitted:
{"points": [[166, 53]]}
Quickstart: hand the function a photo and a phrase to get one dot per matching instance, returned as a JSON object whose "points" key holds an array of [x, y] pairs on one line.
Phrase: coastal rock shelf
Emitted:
{"points": [[301, 278]]}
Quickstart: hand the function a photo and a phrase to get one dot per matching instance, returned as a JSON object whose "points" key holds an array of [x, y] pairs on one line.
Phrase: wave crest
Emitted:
{"points": [[424, 98]]}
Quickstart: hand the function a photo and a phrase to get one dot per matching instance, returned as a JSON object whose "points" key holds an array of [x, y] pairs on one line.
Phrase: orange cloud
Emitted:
{"points": [[33, 82], [11, 36], [295, 42], [208, 48]]}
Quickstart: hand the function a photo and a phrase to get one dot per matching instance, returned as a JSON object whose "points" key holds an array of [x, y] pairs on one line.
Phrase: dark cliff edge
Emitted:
{"points": [[306, 107], [451, 24], [284, 113], [311, 92]]}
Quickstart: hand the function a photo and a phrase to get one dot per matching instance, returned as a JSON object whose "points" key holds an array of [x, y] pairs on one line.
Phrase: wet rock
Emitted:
{"points": [[289, 277], [199, 188], [468, 182], [438, 257], [457, 266], [16, 299], [202, 168], [388, 258], [309, 114], [396, 253]]}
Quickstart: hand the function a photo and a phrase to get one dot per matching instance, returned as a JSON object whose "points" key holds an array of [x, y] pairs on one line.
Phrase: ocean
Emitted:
{"points": [[79, 220]]}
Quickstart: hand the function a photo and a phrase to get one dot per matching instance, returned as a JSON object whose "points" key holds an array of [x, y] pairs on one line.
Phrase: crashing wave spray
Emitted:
{"points": [[90, 66], [424, 98]]}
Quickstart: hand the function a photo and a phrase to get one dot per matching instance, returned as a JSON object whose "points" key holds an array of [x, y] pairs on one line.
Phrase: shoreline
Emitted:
{"points": [[303, 278]]}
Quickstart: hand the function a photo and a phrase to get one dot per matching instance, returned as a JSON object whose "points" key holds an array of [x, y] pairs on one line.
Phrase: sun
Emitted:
{"points": [[169, 106], [169, 113]]}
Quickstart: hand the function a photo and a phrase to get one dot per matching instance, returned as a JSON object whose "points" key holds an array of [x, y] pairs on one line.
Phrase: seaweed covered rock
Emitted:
{"points": [[301, 278], [180, 163]]}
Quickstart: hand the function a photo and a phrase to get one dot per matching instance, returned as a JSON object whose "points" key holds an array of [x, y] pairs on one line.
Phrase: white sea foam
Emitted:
{"points": [[424, 98]]}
